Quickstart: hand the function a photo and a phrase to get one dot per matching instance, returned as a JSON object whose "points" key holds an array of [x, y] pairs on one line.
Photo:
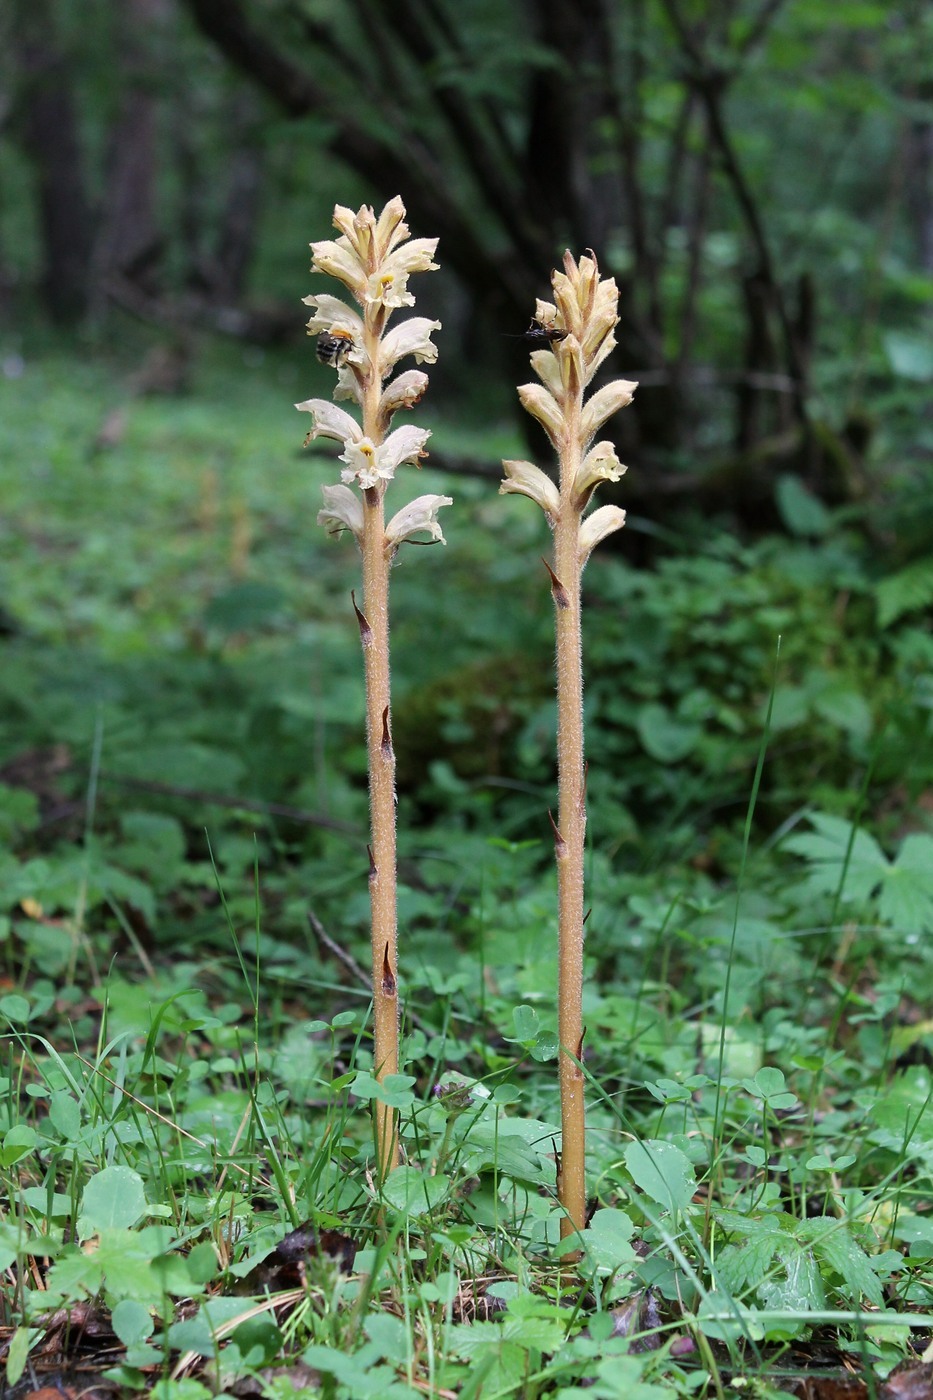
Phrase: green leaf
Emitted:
{"points": [[65, 1115], [906, 1108], [909, 590], [113, 1198], [846, 709], [607, 1240], [546, 1047], [125, 1259], [745, 1266], [906, 900], [835, 1247], [664, 738], [768, 1085], [259, 1340], [15, 1008], [413, 1192], [800, 1286], [389, 1336], [526, 1024], [132, 1322], [663, 1172], [75, 1276], [909, 355], [18, 1142], [827, 849], [395, 1089], [21, 1344], [186, 1389], [724, 1320], [202, 1262], [803, 513]]}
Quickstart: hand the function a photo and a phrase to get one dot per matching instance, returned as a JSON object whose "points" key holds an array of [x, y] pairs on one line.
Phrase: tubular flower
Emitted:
{"points": [[370, 464], [330, 421], [402, 392], [599, 464], [343, 510], [419, 515], [412, 337], [331, 314], [597, 526], [544, 406], [525, 479]]}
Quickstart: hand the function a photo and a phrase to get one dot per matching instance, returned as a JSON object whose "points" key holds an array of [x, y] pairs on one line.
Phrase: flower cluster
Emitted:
{"points": [[373, 258], [578, 326]]}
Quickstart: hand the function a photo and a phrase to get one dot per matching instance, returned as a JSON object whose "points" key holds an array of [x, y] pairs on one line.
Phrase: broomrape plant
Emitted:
{"points": [[374, 258], [577, 330]]}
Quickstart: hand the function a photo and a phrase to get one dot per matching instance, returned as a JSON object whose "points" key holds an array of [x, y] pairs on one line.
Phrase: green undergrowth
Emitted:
{"points": [[185, 1147]]}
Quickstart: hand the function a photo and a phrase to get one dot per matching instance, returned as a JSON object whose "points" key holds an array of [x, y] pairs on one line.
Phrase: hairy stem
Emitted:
{"points": [[570, 836], [374, 633]]}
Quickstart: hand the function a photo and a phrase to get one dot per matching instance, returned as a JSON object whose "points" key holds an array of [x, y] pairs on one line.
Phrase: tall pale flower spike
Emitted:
{"points": [[374, 258], [584, 310]]}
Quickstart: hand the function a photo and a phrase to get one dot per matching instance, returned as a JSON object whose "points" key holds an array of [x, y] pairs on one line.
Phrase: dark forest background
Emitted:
{"points": [[757, 176]]}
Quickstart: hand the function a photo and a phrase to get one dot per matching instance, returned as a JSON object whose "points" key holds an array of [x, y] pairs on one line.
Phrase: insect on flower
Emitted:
{"points": [[539, 334], [333, 347]]}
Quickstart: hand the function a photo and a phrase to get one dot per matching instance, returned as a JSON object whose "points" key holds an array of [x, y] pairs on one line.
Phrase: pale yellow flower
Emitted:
{"points": [[409, 337], [525, 479], [332, 314], [606, 401], [597, 526], [418, 516], [599, 464], [343, 510], [330, 421], [545, 407], [371, 464]]}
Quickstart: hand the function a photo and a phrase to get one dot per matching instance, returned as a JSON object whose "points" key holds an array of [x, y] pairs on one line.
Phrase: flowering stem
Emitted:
{"points": [[570, 835], [577, 330], [374, 631]]}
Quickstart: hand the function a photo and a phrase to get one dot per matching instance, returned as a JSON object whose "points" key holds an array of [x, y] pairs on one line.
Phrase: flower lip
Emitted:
{"points": [[409, 337], [333, 315], [599, 464], [331, 421], [371, 465]]}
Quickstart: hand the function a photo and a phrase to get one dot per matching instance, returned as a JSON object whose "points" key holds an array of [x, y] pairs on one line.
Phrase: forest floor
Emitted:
{"points": [[186, 1088]]}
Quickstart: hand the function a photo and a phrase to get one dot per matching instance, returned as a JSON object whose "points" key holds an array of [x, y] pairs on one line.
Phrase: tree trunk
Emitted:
{"points": [[129, 243], [46, 124]]}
